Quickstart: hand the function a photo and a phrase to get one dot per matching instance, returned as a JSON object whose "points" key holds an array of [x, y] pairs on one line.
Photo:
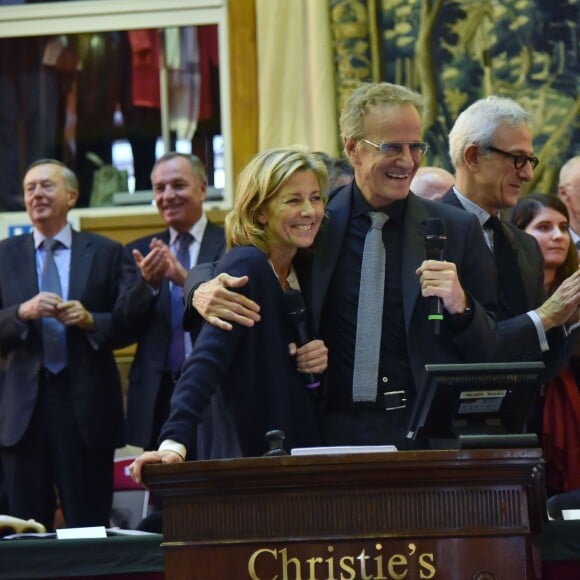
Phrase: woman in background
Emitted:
{"points": [[546, 218], [248, 373]]}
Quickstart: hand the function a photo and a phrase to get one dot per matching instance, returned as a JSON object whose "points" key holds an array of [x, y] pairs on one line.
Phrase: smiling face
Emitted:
{"points": [[293, 217], [498, 182], [384, 179], [179, 193], [550, 228], [46, 198]]}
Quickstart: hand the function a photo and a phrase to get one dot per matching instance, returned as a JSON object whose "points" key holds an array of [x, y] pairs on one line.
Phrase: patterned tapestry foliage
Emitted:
{"points": [[456, 51]]}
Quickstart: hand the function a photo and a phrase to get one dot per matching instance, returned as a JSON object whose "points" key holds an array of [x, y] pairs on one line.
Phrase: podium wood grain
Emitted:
{"points": [[433, 514]]}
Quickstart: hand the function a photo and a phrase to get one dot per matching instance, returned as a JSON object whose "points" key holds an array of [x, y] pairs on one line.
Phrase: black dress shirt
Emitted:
{"points": [[338, 328]]}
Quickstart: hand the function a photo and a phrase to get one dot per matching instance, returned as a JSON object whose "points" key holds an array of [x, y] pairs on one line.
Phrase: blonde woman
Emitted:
{"points": [[278, 211]]}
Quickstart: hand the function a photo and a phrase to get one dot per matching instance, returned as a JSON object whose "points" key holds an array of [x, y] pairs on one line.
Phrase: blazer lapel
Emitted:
{"points": [[24, 267], [81, 261], [413, 254], [211, 243], [328, 246], [527, 275], [164, 292]]}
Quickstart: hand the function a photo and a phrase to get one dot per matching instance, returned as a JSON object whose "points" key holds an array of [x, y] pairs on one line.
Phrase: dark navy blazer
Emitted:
{"points": [[101, 272], [517, 336], [249, 367]]}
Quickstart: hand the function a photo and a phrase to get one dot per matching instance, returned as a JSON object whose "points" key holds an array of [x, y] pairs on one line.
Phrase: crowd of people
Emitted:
{"points": [[221, 358]]}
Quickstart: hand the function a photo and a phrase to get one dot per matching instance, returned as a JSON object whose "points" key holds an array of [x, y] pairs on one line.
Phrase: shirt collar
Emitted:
{"points": [[481, 215], [361, 206], [196, 230], [64, 237]]}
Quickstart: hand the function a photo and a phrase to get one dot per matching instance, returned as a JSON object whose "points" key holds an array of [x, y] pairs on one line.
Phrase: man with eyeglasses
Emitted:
{"points": [[381, 129], [491, 149]]}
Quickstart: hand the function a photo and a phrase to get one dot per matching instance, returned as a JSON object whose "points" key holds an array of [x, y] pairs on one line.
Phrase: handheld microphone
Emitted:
{"points": [[299, 318], [435, 240]]}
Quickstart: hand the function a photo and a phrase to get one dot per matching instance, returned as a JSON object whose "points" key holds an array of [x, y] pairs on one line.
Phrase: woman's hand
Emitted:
{"points": [[165, 456]]}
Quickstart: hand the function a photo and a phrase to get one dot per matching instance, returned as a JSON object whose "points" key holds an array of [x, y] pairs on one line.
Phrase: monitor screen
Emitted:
{"points": [[463, 401]]}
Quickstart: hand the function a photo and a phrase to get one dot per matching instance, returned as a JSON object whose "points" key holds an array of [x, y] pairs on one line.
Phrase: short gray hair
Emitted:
{"points": [[478, 124], [195, 162], [71, 183]]}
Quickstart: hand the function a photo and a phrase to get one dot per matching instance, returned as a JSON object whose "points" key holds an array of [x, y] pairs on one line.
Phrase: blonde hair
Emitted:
{"points": [[369, 95], [259, 182]]}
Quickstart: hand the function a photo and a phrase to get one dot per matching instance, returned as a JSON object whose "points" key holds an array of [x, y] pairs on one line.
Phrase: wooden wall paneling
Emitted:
{"points": [[243, 82]]}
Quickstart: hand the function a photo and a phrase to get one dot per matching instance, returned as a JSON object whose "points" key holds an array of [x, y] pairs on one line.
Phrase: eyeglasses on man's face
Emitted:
{"points": [[417, 149], [519, 159]]}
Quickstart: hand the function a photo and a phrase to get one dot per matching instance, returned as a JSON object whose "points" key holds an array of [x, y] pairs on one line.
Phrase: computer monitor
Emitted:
{"points": [[476, 405]]}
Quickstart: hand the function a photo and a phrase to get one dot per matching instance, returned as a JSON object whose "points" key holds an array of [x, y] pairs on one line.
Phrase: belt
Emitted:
{"points": [[386, 401]]}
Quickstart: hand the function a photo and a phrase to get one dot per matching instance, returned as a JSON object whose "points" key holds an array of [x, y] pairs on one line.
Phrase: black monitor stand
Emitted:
{"points": [[481, 441], [503, 441]]}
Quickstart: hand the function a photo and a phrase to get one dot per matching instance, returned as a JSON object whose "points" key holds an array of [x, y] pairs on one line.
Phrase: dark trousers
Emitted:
{"points": [[51, 457]]}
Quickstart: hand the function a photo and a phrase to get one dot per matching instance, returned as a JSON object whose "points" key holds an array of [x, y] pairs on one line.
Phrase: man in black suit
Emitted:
{"points": [[61, 418], [381, 130], [491, 148], [179, 184]]}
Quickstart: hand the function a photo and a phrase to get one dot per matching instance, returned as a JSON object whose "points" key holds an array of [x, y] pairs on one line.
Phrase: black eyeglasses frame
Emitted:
{"points": [[519, 159]]}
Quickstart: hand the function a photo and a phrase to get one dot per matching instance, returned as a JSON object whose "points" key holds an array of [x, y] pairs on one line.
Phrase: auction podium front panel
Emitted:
{"points": [[450, 515]]}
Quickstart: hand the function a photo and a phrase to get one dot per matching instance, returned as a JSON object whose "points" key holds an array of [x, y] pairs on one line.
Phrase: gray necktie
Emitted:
{"points": [[53, 331], [370, 313], [176, 353]]}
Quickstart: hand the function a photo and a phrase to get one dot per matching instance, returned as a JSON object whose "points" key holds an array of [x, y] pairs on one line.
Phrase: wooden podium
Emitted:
{"points": [[471, 514]]}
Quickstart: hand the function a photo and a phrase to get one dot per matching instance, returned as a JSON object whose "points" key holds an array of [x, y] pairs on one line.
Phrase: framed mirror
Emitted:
{"points": [[114, 84]]}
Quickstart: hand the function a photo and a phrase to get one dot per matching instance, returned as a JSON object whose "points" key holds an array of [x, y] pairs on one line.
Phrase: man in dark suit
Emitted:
{"points": [[381, 130], [491, 148], [179, 184], [60, 418]]}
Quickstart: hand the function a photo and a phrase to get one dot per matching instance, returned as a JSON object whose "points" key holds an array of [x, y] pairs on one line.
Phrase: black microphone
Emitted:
{"points": [[299, 318], [435, 240]]}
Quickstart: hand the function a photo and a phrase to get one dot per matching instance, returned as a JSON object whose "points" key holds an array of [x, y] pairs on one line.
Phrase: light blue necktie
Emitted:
{"points": [[370, 313], [53, 331], [176, 353]]}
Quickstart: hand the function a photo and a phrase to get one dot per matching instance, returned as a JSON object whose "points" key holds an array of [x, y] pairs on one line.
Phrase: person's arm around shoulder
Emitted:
{"points": [[214, 301]]}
